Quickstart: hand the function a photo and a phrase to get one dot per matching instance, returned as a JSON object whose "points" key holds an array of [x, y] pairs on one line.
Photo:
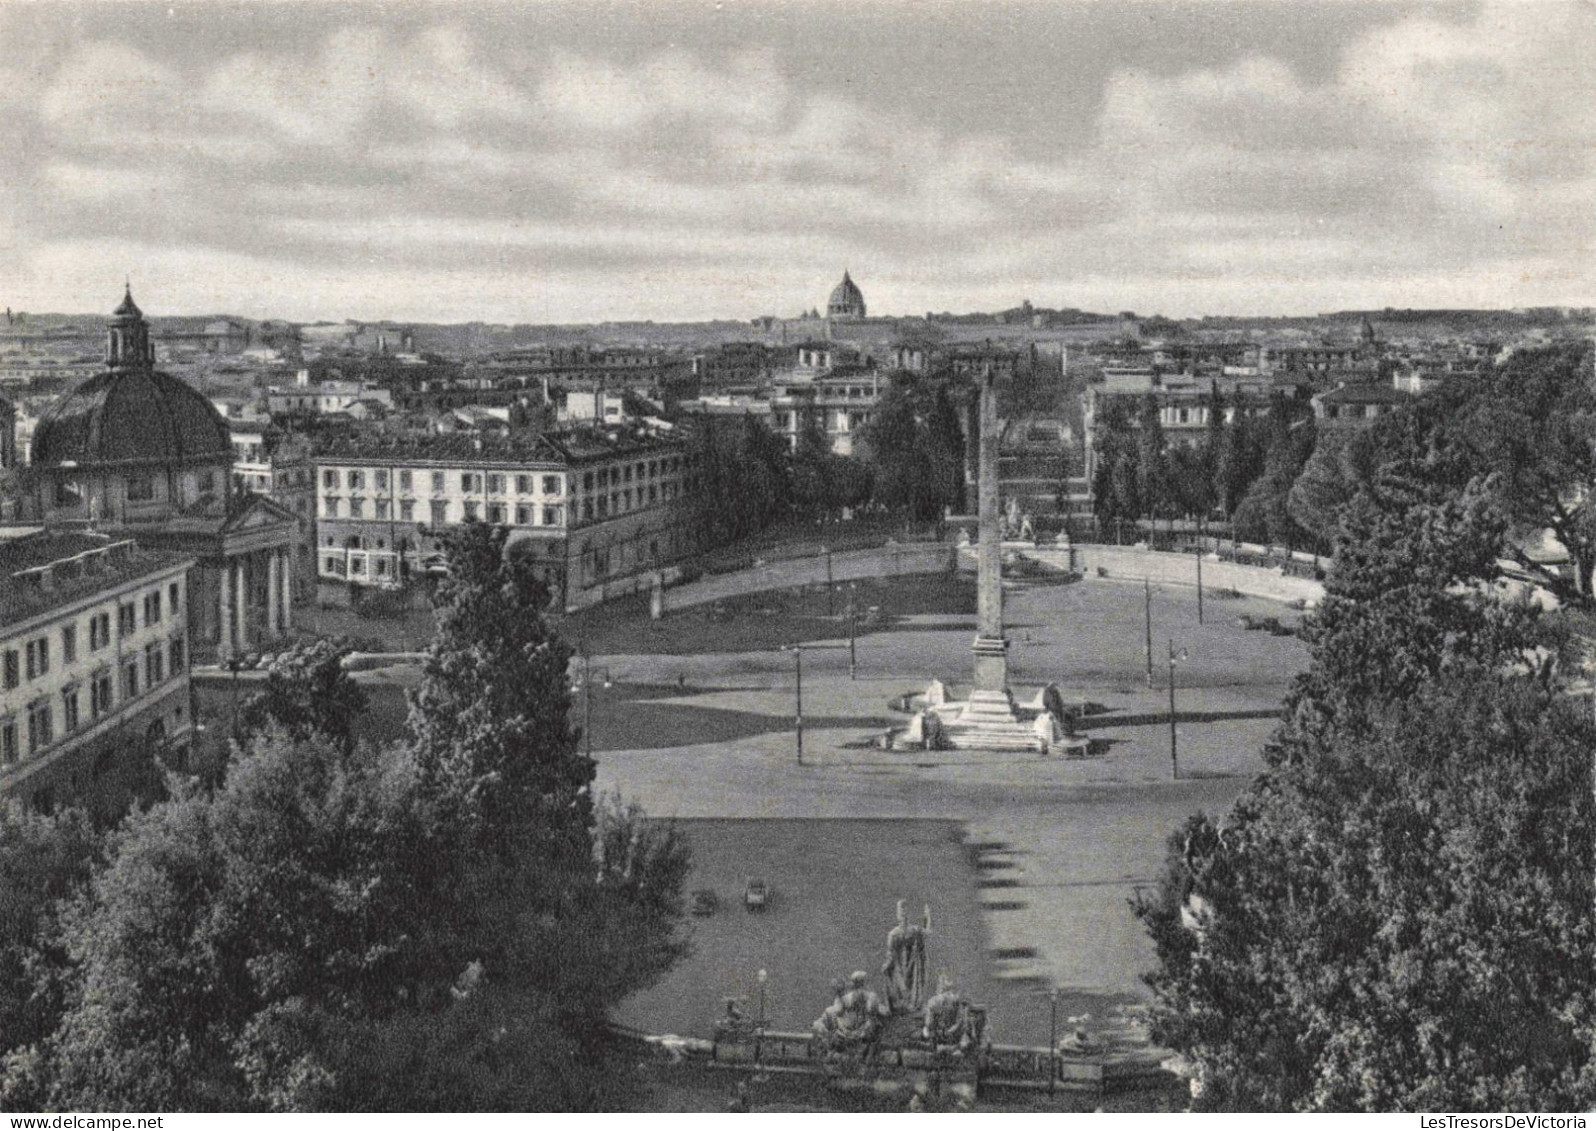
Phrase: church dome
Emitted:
{"points": [[847, 300], [131, 414]]}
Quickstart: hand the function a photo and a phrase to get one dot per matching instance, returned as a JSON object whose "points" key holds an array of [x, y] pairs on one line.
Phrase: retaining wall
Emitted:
{"points": [[848, 565], [1131, 563]]}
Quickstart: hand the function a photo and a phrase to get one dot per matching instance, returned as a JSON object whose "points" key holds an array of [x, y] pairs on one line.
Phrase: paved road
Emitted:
{"points": [[1081, 836]]}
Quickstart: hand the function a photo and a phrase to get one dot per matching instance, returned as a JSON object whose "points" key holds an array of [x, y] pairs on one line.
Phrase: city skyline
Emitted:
{"points": [[689, 162]]}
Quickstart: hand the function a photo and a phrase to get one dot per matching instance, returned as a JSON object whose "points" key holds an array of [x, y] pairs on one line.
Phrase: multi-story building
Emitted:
{"points": [[1351, 405], [842, 404], [1185, 404], [594, 506], [94, 664]]}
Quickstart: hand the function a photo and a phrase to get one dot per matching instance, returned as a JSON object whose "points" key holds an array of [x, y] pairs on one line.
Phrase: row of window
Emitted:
{"points": [[438, 512], [34, 659], [494, 483], [162, 660]]}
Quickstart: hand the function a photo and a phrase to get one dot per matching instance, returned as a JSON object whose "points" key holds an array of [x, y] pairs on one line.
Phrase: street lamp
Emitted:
{"points": [[1174, 761], [1199, 576], [853, 655], [831, 610], [1147, 612], [797, 651], [763, 977], [1052, 1038]]}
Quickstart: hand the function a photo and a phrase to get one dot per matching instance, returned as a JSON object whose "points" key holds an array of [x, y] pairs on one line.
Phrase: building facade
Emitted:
{"points": [[94, 664], [592, 505]]}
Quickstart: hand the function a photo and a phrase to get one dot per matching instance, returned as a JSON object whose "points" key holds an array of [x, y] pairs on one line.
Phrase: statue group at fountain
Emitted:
{"points": [[855, 1023]]}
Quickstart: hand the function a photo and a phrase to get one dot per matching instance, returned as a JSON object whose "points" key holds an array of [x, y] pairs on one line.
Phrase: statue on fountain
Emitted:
{"points": [[952, 1024], [852, 1022], [906, 962]]}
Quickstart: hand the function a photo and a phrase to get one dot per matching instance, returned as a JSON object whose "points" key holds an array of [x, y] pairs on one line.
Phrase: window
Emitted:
{"points": [[382, 567], [357, 565], [40, 725], [495, 484], [8, 740], [329, 507], [470, 511], [552, 516], [99, 631], [127, 619], [140, 488], [357, 508], [470, 481], [383, 508], [13, 669], [175, 655], [100, 700], [382, 480], [38, 656], [440, 512], [404, 481], [172, 592], [437, 482], [523, 516], [523, 484], [130, 679], [357, 480], [69, 709], [407, 510], [154, 663], [152, 608], [329, 479], [69, 643], [496, 513], [333, 565]]}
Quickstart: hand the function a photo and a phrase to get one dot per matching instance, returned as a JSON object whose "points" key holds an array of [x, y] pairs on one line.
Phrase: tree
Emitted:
{"points": [[43, 861], [308, 691], [918, 446], [1531, 421], [1342, 461], [443, 923], [1154, 483], [1395, 915], [1399, 921]]}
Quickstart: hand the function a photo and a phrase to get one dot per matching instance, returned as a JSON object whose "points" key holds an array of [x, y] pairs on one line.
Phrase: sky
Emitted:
{"points": [[697, 159]]}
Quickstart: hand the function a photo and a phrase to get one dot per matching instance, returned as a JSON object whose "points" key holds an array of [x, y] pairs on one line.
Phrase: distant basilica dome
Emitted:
{"points": [[131, 413], [847, 300]]}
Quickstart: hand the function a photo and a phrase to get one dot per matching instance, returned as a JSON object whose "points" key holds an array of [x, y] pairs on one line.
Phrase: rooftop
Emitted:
{"points": [[50, 569], [574, 445]]}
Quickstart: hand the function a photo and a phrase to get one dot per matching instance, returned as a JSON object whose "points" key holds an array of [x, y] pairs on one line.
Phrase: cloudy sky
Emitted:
{"points": [[687, 160]]}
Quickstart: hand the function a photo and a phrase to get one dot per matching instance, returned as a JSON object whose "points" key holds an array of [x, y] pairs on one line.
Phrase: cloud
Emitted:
{"points": [[1426, 162]]}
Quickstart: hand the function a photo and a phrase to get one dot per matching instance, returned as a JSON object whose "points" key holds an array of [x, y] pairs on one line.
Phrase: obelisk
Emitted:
{"points": [[989, 697]]}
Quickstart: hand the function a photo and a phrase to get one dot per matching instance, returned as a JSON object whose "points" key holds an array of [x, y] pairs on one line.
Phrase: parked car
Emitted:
{"points": [[705, 902], [756, 896]]}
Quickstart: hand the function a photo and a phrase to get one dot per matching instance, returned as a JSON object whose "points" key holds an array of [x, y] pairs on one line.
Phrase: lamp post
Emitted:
{"points": [[853, 655], [1199, 578], [1174, 760], [1147, 611], [830, 589], [762, 977], [1052, 1038]]}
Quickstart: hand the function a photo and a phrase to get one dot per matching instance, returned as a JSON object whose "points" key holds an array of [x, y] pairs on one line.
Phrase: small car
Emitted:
{"points": [[705, 902], [756, 896]]}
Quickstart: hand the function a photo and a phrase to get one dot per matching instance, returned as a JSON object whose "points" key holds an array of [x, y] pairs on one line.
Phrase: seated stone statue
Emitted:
{"points": [[852, 1022], [952, 1024]]}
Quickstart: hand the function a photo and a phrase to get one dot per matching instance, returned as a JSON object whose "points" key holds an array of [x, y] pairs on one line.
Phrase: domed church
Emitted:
{"points": [[139, 453], [846, 302]]}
